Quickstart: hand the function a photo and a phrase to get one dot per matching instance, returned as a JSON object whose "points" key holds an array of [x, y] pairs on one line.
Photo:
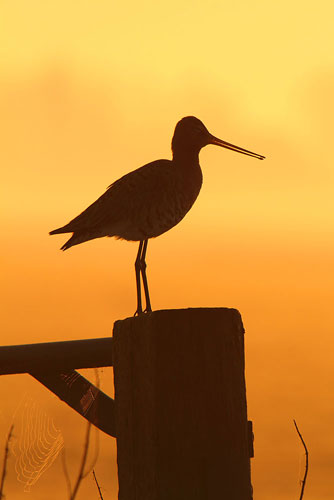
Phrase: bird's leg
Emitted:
{"points": [[143, 274], [137, 269]]}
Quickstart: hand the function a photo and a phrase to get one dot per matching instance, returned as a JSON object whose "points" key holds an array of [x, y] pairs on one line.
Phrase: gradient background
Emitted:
{"points": [[92, 90]]}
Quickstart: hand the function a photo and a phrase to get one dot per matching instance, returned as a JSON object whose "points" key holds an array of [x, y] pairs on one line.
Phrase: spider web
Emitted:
{"points": [[38, 442]]}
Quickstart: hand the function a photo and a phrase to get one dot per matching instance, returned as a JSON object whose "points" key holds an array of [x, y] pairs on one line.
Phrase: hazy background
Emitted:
{"points": [[92, 90]]}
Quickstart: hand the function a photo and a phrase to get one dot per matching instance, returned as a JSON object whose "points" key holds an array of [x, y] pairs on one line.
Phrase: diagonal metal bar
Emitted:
{"points": [[83, 396], [53, 364]]}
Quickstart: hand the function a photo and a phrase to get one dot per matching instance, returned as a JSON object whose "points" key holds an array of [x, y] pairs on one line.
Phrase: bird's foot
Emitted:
{"points": [[140, 312]]}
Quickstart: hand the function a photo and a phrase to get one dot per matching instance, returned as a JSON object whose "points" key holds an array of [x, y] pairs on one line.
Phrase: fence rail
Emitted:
{"points": [[56, 356]]}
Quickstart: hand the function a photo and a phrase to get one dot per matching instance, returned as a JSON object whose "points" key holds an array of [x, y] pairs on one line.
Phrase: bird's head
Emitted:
{"points": [[191, 135]]}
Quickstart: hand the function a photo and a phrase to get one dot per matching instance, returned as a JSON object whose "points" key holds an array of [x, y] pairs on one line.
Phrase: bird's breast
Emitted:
{"points": [[162, 207]]}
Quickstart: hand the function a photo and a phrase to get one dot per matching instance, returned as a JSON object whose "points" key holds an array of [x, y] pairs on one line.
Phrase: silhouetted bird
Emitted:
{"points": [[150, 200]]}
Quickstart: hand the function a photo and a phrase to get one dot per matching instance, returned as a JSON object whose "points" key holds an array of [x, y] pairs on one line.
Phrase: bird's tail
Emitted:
{"points": [[60, 230], [76, 238], [69, 242]]}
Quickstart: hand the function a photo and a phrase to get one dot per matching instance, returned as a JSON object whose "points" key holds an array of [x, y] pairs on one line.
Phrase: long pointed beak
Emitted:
{"points": [[227, 145]]}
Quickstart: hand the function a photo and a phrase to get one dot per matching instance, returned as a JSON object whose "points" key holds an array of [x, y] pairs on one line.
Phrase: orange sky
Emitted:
{"points": [[92, 90]]}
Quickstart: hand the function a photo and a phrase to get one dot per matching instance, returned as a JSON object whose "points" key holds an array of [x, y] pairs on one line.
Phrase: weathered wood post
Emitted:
{"points": [[180, 402]]}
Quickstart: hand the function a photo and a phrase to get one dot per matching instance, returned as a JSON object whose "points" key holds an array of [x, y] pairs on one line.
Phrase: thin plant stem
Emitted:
{"points": [[97, 484], [97, 435], [82, 473], [66, 474], [96, 454], [83, 462], [303, 482], [5, 459]]}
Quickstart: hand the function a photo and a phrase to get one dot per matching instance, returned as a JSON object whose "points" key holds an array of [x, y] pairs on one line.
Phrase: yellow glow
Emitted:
{"points": [[92, 90]]}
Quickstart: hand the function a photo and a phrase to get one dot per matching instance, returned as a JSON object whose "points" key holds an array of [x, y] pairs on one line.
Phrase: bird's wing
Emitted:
{"points": [[129, 194]]}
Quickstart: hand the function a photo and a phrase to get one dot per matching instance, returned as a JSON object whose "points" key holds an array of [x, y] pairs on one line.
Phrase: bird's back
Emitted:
{"points": [[140, 205]]}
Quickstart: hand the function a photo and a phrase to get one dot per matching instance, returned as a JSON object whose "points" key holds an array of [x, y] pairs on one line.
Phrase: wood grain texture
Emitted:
{"points": [[180, 402]]}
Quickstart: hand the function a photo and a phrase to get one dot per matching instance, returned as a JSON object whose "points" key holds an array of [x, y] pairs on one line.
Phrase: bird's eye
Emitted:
{"points": [[199, 130]]}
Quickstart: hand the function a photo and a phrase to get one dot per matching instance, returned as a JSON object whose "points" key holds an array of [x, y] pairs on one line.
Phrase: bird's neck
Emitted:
{"points": [[186, 158]]}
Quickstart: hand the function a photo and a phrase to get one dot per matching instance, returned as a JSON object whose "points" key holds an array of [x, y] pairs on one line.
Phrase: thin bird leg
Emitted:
{"points": [[143, 274], [137, 269]]}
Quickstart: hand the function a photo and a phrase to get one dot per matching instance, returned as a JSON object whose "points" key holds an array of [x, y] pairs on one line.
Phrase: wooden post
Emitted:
{"points": [[180, 406]]}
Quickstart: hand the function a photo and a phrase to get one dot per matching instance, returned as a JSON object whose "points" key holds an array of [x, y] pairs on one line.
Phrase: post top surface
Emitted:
{"points": [[202, 315]]}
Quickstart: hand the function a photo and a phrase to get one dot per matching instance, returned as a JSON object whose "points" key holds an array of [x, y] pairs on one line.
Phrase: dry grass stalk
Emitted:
{"points": [[97, 484], [5, 459]]}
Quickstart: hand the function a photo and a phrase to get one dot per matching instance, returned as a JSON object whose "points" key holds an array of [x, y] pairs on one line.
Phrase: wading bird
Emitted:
{"points": [[150, 200]]}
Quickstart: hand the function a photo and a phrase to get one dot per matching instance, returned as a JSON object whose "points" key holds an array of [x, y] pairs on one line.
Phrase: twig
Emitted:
{"points": [[303, 482], [96, 455], [97, 440], [83, 463], [4, 466], [82, 473], [66, 474], [97, 484]]}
